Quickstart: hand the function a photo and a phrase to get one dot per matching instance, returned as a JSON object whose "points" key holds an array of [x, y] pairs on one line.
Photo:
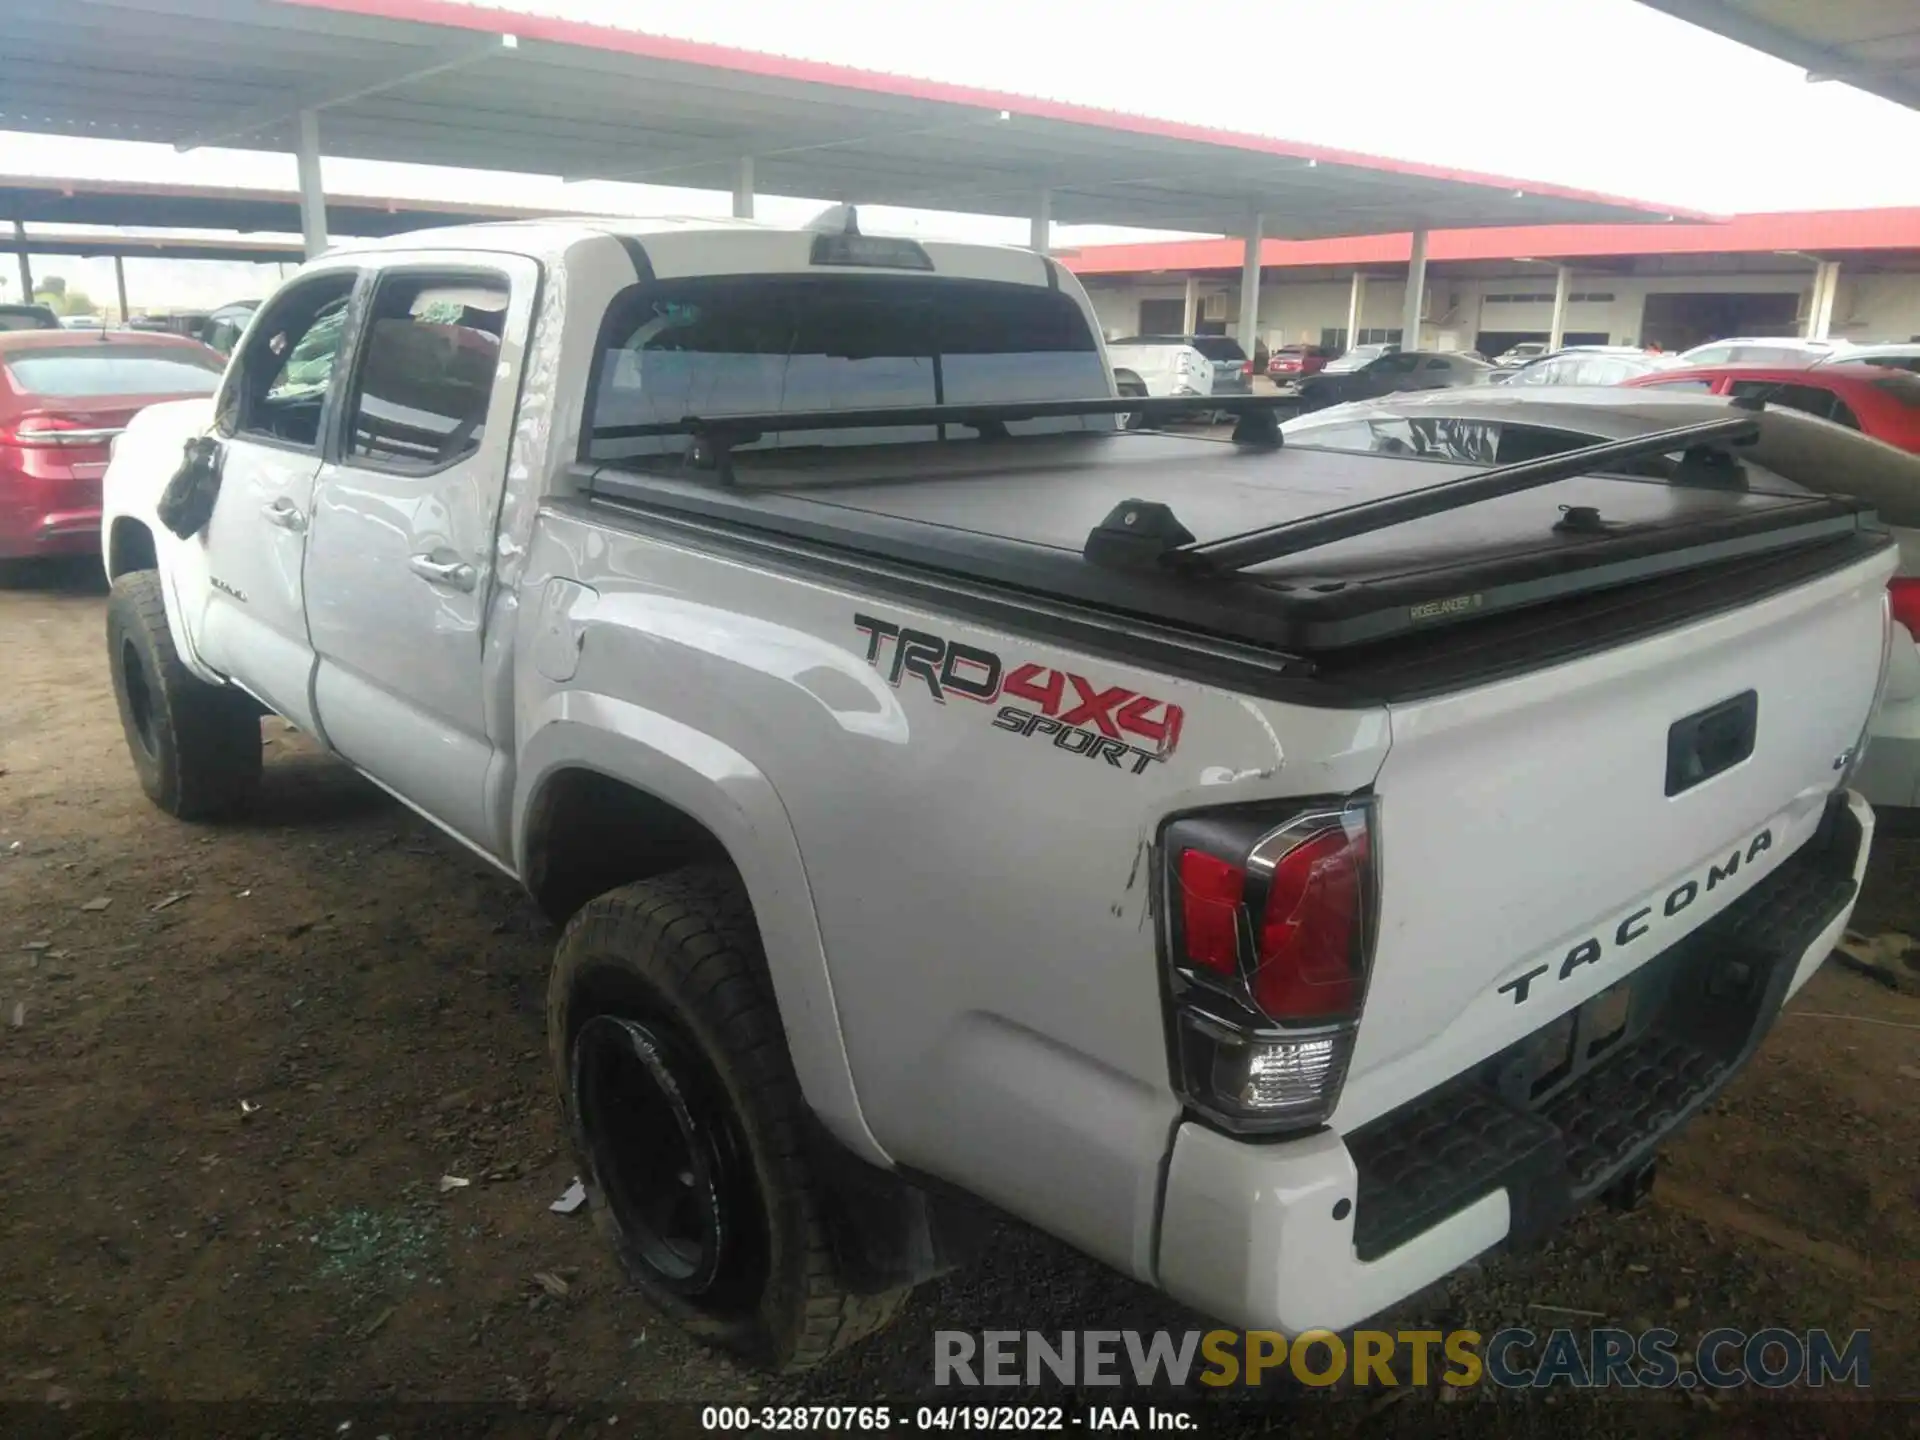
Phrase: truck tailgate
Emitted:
{"points": [[1531, 854]]}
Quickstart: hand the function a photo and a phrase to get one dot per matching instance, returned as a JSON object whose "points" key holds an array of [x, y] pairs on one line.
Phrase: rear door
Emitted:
{"points": [[400, 566], [274, 407]]}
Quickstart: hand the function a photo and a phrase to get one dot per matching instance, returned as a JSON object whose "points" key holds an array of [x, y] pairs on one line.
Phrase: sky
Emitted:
{"points": [[1603, 95]]}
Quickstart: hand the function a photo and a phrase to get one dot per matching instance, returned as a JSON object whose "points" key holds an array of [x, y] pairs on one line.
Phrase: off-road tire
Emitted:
{"points": [[681, 953], [195, 746]]}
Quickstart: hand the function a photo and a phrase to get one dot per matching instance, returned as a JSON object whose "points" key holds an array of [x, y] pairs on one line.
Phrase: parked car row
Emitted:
{"points": [[64, 397], [219, 328], [1585, 365], [1391, 370], [1181, 365]]}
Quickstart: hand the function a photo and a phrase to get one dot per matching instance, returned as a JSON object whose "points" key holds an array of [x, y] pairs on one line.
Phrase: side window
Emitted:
{"points": [[1437, 363], [1806, 398], [277, 389], [1843, 415], [419, 401], [1702, 386], [1714, 355]]}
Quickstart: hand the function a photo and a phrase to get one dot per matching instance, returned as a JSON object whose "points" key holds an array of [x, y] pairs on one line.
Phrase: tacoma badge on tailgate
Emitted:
{"points": [[1638, 924]]}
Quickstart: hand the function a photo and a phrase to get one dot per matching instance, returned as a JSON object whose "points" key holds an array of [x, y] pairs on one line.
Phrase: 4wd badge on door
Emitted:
{"points": [[1127, 730]]}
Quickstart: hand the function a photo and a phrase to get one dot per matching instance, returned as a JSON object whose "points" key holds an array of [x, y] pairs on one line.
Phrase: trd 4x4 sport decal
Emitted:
{"points": [[1127, 730]]}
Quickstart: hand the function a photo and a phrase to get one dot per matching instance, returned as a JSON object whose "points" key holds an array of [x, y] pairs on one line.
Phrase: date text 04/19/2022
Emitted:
{"points": [[1006, 1418]]}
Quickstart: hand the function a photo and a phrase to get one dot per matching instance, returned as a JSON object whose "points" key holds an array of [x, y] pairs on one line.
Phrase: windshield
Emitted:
{"points": [[1903, 386], [733, 345], [97, 369], [27, 317], [1219, 347]]}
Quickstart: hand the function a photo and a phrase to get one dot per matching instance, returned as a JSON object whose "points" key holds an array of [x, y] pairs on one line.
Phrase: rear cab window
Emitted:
{"points": [[721, 345], [92, 369]]}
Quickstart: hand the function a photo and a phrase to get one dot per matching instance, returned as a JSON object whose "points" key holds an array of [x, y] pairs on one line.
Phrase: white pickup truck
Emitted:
{"points": [[1284, 917]]}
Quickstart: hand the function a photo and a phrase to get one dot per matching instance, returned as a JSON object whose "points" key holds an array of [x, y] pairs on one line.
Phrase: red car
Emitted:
{"points": [[64, 395], [1882, 403], [1292, 362]]}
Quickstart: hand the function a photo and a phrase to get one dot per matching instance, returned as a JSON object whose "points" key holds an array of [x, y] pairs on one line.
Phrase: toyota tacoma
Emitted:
{"points": [[1283, 874]]}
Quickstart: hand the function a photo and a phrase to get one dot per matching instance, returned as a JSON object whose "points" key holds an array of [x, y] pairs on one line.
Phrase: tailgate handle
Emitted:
{"points": [[1711, 740]]}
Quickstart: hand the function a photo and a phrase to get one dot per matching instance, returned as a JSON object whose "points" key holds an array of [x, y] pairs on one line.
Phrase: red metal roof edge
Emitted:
{"points": [[554, 30], [1893, 228]]}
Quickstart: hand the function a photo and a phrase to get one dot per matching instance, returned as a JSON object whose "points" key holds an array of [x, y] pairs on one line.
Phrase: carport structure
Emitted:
{"points": [[121, 205], [439, 83], [1871, 44]]}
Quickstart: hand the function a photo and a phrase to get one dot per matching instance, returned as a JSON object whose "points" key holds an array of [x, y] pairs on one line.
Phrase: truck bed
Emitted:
{"points": [[1015, 514]]}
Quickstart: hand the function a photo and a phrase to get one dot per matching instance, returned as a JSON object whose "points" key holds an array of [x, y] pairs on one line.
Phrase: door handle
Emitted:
{"points": [[448, 574], [285, 514]]}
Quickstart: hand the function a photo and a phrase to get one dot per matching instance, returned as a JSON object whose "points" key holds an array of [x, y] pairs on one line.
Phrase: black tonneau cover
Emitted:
{"points": [[1018, 512]]}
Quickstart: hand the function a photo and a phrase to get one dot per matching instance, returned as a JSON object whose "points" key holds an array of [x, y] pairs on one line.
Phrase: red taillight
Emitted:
{"points": [[1267, 950], [1210, 894], [1247, 369], [41, 431], [1308, 965], [1306, 942], [1905, 598]]}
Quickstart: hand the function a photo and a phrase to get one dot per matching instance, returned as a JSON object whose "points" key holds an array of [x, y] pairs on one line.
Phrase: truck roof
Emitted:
{"points": [[685, 245]]}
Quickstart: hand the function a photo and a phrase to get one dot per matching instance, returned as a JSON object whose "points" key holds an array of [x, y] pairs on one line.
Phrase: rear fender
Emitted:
{"points": [[727, 793]]}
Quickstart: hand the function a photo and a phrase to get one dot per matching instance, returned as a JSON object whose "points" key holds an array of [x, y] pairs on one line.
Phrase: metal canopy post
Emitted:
{"points": [[313, 198], [1416, 293], [120, 284], [1557, 329], [743, 189], [1826, 285], [1040, 237], [1250, 283], [1189, 317], [26, 265], [1356, 308]]}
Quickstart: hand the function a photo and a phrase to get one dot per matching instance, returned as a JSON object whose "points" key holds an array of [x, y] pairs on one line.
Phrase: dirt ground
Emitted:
{"points": [[236, 1064]]}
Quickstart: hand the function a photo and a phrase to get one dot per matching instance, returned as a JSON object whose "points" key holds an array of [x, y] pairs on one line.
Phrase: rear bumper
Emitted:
{"points": [[58, 532], [1328, 1230]]}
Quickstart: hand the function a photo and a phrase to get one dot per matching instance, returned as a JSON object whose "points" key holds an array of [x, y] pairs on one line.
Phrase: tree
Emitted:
{"points": [[62, 301]]}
